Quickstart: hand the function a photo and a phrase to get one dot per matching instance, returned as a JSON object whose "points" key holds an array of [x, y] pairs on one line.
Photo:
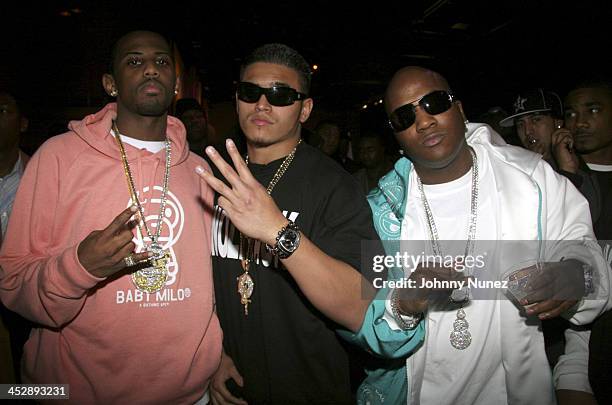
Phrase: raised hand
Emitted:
{"points": [[562, 144], [102, 252], [245, 201]]}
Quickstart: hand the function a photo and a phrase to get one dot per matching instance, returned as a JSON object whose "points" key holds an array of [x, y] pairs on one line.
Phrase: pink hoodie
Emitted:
{"points": [[109, 341]]}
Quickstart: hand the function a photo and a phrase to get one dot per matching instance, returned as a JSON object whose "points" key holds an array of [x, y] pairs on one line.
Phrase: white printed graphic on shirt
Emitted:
{"points": [[173, 220], [225, 240]]}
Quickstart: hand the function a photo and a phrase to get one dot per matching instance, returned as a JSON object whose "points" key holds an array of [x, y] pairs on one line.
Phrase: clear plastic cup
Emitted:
{"points": [[519, 277]]}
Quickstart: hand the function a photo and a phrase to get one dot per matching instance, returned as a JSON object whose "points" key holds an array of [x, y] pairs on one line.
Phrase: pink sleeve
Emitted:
{"points": [[42, 282]]}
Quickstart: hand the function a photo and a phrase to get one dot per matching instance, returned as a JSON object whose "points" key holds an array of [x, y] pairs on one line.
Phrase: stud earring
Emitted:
{"points": [[175, 92], [114, 93]]}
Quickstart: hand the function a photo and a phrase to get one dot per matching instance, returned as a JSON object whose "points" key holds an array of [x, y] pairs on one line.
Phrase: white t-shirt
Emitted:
{"points": [[451, 376], [599, 168], [151, 146]]}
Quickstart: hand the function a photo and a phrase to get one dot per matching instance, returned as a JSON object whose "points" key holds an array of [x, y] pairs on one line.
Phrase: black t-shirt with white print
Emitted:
{"points": [[286, 351]]}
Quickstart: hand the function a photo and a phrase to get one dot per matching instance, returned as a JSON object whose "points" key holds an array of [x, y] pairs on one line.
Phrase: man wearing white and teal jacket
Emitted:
{"points": [[461, 182]]}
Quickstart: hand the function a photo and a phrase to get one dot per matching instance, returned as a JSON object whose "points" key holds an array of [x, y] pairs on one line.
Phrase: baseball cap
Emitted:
{"points": [[533, 101]]}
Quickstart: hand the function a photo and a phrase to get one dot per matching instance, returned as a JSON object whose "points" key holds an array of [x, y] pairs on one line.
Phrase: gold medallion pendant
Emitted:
{"points": [[245, 286], [152, 279]]}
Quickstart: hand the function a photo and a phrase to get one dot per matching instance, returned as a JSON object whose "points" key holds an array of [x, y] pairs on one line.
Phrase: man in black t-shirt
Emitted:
{"points": [[284, 267], [588, 114]]}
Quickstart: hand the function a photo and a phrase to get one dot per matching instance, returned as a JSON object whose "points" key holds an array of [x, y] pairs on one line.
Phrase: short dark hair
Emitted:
{"points": [[186, 104], [379, 137], [595, 81], [22, 106], [115, 48], [281, 54], [328, 123], [372, 135]]}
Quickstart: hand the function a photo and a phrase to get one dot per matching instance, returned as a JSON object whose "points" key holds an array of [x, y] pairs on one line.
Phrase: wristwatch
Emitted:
{"points": [[287, 241]]}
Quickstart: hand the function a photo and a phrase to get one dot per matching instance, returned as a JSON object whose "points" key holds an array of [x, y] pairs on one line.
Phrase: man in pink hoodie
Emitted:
{"points": [[108, 247]]}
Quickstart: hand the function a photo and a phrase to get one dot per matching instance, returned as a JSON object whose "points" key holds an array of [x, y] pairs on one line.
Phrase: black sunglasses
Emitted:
{"points": [[433, 103], [279, 96]]}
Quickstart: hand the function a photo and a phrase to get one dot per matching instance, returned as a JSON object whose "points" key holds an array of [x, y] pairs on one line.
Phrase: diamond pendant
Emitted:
{"points": [[460, 337], [153, 278], [245, 286]]}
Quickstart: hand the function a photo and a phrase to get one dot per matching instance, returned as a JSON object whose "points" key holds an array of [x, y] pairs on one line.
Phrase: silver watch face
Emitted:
{"points": [[289, 240]]}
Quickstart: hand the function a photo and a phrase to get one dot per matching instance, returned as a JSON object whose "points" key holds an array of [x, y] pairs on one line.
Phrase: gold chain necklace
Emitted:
{"points": [[246, 285], [152, 278]]}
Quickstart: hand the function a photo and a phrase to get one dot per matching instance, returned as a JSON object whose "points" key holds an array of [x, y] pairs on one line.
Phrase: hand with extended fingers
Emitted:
{"points": [[245, 201], [103, 253]]}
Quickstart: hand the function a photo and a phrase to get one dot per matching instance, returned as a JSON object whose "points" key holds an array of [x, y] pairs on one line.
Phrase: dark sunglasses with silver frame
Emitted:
{"points": [[433, 103], [279, 96]]}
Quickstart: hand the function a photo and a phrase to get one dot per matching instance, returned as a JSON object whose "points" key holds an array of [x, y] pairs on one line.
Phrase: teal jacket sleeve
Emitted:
{"points": [[376, 336]]}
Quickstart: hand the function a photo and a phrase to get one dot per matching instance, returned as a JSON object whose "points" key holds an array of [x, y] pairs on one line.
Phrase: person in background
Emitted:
{"points": [[538, 119], [492, 117], [199, 130], [334, 143], [371, 151], [14, 329], [588, 115]]}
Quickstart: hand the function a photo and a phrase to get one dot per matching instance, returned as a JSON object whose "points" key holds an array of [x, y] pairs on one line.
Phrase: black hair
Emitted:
{"points": [[372, 135], [186, 104], [382, 139], [115, 48], [329, 123], [281, 54], [22, 106], [603, 82]]}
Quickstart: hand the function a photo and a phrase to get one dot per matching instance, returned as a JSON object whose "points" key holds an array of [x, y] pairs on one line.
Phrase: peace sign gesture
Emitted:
{"points": [[245, 201], [103, 252]]}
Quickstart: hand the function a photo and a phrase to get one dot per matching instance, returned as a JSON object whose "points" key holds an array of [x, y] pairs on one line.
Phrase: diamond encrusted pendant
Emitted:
{"points": [[245, 286], [152, 279], [460, 337]]}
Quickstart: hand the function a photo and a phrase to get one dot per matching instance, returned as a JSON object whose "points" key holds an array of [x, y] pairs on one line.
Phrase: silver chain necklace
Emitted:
{"points": [[460, 337]]}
